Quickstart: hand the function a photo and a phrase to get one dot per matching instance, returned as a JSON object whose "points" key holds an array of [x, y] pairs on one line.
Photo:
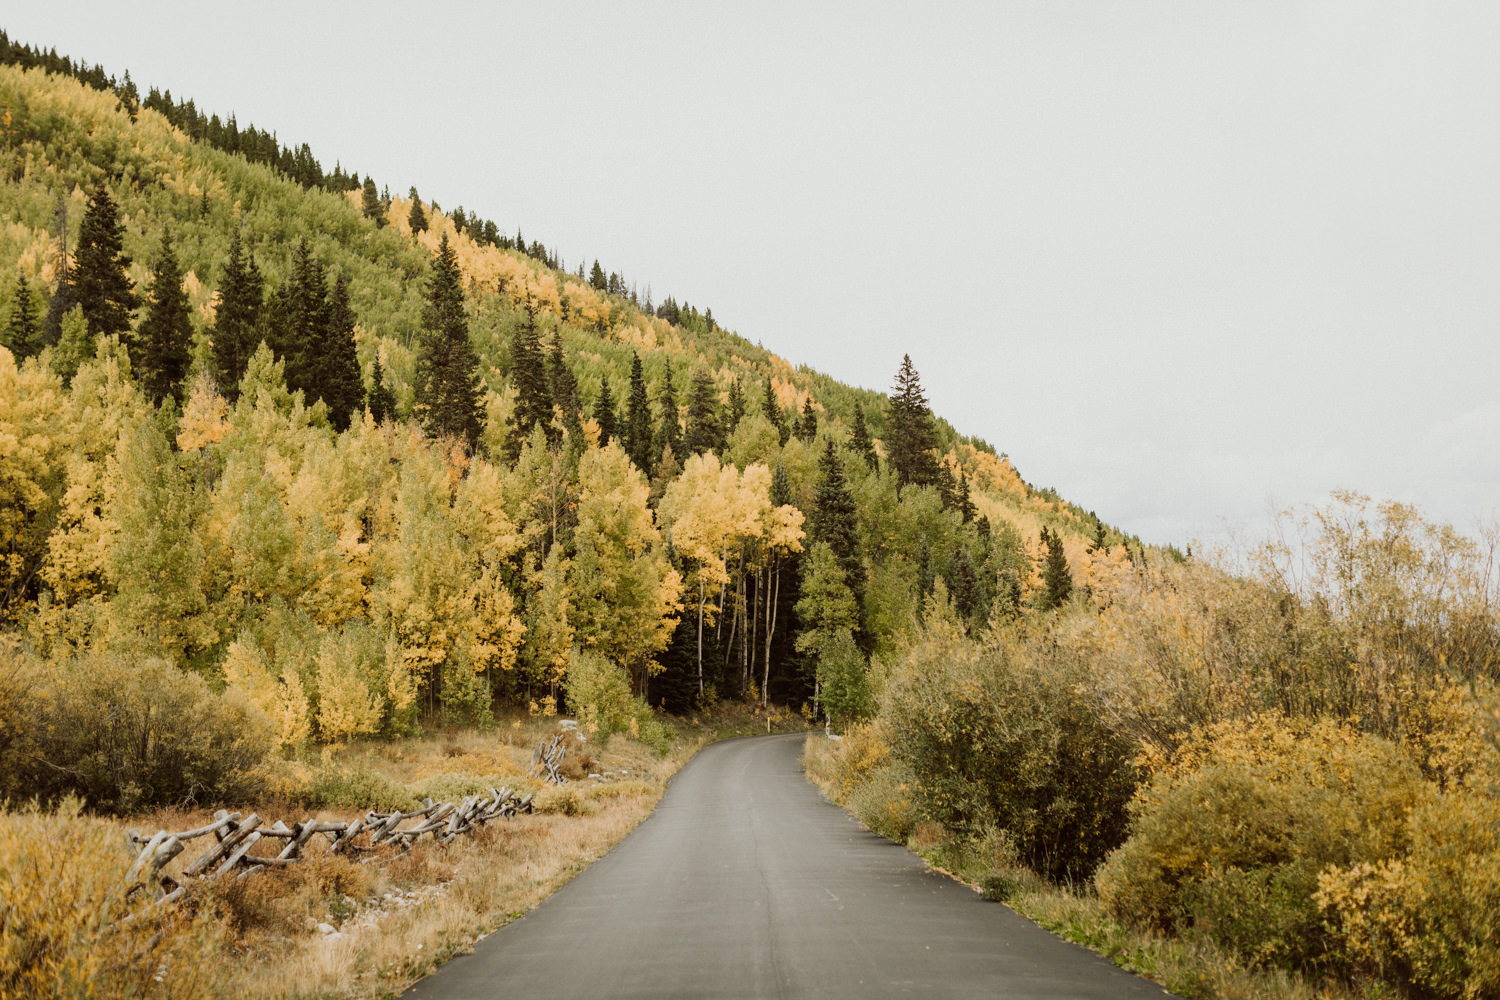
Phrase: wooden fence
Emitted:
{"points": [[234, 835]]}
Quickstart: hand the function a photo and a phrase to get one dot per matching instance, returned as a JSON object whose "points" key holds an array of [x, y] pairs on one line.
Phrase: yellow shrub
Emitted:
{"points": [[63, 900]]}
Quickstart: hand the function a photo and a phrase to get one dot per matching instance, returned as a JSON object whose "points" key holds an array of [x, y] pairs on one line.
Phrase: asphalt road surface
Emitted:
{"points": [[746, 882]]}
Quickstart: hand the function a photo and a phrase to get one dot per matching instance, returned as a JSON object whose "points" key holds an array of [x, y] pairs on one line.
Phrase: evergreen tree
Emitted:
{"points": [[861, 440], [947, 487], [807, 427], [604, 412], [163, 346], [100, 273], [237, 321], [64, 296], [21, 333], [333, 374], [703, 432], [1057, 582], [964, 502], [834, 519], [564, 387], [416, 218], [639, 432], [772, 409], [597, 279], [528, 374], [1100, 542], [736, 405], [912, 437], [371, 205], [669, 431], [968, 599], [448, 392], [300, 318], [380, 400]]}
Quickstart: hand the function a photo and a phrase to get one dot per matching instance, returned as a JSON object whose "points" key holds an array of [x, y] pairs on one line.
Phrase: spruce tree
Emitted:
{"points": [[334, 366], [639, 431], [1100, 542], [807, 427], [237, 321], [564, 387], [736, 406], [528, 374], [371, 205], [912, 438], [447, 393], [380, 400], [669, 431], [64, 296], [834, 519], [947, 487], [163, 346], [772, 410], [1057, 582], [299, 319], [968, 600], [604, 412], [861, 440], [21, 333], [965, 502], [100, 273], [416, 218], [597, 280], [703, 431]]}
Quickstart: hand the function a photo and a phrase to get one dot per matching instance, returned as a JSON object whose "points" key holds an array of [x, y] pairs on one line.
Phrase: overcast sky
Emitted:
{"points": [[1178, 260]]}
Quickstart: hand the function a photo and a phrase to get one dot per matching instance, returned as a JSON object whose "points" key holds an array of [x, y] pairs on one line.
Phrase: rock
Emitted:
{"points": [[325, 929]]}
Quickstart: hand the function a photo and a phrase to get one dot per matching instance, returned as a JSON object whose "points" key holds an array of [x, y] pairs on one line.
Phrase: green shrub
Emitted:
{"points": [[996, 735], [598, 693], [883, 802], [843, 675], [455, 787], [130, 734], [334, 787], [1229, 841], [654, 733]]}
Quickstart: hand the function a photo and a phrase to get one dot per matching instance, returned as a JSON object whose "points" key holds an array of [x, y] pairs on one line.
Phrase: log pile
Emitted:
{"points": [[235, 834], [548, 757]]}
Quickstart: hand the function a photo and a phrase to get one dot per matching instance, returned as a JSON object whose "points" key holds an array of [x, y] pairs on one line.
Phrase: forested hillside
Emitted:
{"points": [[361, 459]]}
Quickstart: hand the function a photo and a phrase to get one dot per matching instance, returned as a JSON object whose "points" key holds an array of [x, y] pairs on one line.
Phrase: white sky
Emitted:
{"points": [[1179, 260]]}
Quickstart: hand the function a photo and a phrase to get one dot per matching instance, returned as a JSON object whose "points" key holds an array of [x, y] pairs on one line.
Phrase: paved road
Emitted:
{"points": [[746, 882]]}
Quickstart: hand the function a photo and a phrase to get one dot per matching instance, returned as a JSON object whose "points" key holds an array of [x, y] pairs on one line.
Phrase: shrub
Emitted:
{"points": [[843, 676], [599, 693], [129, 734], [455, 787], [1229, 839], [883, 802], [999, 735], [334, 787], [64, 899]]}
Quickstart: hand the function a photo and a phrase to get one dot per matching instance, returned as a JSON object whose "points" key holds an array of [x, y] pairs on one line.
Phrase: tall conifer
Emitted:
{"points": [[380, 400], [528, 375], [861, 439], [21, 333], [448, 392], [416, 218], [703, 431], [100, 272], [237, 321], [604, 412], [1057, 581], [807, 427], [772, 410], [834, 519], [639, 431], [163, 344], [564, 386], [334, 366], [912, 438], [736, 406], [371, 205], [669, 431]]}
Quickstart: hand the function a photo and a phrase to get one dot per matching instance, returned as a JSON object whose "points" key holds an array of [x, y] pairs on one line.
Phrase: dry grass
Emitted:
{"points": [[395, 923]]}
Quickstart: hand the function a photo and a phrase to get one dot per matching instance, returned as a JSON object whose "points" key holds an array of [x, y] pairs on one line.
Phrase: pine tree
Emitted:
{"points": [[371, 205], [947, 487], [964, 502], [100, 272], [528, 374], [669, 431], [597, 280], [703, 432], [639, 432], [334, 366], [416, 218], [237, 321], [834, 519], [163, 344], [736, 405], [64, 296], [380, 400], [861, 440], [300, 319], [21, 334], [772, 410], [968, 599], [447, 392], [564, 387], [1057, 581], [1100, 542], [807, 427], [604, 412], [912, 438]]}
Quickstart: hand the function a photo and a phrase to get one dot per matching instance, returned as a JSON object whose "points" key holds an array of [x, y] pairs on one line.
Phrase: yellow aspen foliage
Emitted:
{"points": [[625, 591], [347, 705], [400, 681], [205, 417], [282, 698], [495, 631], [549, 623], [31, 469]]}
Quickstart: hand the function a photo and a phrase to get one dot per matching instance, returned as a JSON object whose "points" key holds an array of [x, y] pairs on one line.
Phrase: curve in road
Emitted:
{"points": [[746, 882]]}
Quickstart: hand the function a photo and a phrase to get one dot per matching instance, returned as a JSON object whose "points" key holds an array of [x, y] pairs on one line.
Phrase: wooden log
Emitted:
{"points": [[238, 853], [226, 845], [147, 853]]}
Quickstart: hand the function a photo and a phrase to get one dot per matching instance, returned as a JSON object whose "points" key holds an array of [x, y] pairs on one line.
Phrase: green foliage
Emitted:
{"points": [[447, 382], [639, 431], [129, 734], [237, 326], [1057, 580], [22, 333], [843, 679], [100, 273], [911, 440], [1000, 735], [703, 429], [161, 348], [355, 788], [599, 693]]}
